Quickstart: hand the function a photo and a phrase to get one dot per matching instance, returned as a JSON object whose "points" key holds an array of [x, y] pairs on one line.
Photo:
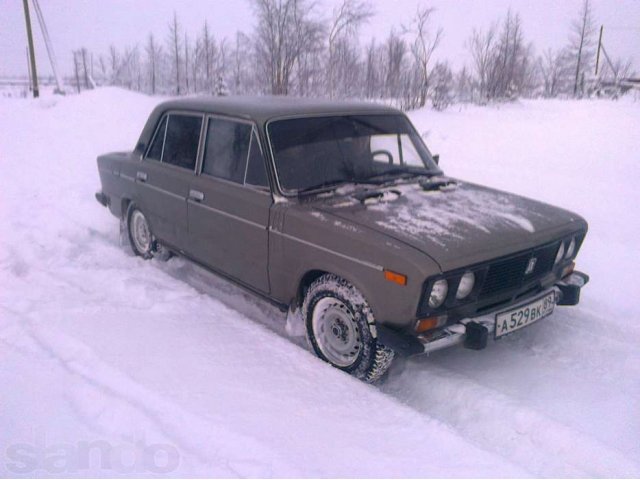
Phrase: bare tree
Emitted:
{"points": [[209, 55], [482, 46], [135, 69], [348, 68], [129, 73], [186, 62], [503, 63], [196, 65], [295, 51], [424, 44], [442, 86], [76, 69], [310, 73], [622, 68], [395, 49], [154, 54], [222, 63], [114, 64], [285, 30], [464, 86], [372, 73], [506, 78], [581, 44], [345, 22], [550, 71], [83, 55], [174, 44], [556, 72], [103, 68]]}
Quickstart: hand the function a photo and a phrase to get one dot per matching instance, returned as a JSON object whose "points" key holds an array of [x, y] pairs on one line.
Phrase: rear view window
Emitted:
{"points": [[181, 143], [226, 150]]}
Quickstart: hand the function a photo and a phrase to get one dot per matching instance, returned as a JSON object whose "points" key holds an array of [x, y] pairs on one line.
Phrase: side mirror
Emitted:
{"points": [[436, 158]]}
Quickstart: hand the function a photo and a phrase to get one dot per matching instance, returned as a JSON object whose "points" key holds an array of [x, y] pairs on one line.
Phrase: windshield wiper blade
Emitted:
{"points": [[398, 173], [322, 187]]}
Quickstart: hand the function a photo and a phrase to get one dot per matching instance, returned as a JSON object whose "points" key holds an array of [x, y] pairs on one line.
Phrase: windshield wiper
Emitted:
{"points": [[321, 188], [378, 179], [397, 173]]}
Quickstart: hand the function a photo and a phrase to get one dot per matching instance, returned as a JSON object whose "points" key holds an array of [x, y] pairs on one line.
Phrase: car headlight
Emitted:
{"points": [[465, 286], [560, 254], [438, 293], [571, 249]]}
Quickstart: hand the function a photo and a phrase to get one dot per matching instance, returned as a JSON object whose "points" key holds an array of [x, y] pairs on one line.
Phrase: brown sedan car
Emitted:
{"points": [[338, 212]]}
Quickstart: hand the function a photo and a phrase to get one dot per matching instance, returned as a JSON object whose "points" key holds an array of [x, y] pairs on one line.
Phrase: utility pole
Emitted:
{"points": [[599, 48], [29, 68], [32, 55]]}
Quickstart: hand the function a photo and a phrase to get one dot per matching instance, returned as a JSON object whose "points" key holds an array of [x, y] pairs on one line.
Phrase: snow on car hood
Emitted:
{"points": [[456, 225]]}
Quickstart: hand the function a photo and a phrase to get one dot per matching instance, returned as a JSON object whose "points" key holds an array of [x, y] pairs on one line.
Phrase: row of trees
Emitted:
{"points": [[294, 50]]}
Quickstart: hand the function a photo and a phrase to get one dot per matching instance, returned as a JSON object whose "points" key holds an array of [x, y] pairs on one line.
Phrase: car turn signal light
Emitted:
{"points": [[395, 277], [428, 324]]}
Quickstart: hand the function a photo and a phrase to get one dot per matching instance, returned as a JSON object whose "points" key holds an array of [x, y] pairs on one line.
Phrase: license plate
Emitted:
{"points": [[525, 315]]}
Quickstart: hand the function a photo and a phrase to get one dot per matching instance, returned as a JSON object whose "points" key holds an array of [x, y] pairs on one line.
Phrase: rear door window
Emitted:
{"points": [[227, 149], [181, 140]]}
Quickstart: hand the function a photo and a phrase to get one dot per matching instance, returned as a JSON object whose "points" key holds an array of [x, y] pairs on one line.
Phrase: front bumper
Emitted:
{"points": [[474, 332]]}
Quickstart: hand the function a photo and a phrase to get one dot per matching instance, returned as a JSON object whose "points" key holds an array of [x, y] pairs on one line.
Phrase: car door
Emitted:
{"points": [[163, 176], [229, 203]]}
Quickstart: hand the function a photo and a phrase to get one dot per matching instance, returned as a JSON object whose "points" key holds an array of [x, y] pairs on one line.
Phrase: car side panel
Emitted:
{"points": [[161, 192], [228, 229], [305, 240], [115, 185]]}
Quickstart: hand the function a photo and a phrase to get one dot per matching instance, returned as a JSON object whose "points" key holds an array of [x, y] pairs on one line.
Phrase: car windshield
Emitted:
{"points": [[328, 151]]}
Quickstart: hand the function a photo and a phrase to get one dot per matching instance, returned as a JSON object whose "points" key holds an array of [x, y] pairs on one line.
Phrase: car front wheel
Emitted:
{"points": [[341, 329]]}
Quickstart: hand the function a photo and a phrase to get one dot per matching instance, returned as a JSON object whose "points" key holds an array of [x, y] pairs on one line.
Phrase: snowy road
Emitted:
{"points": [[100, 350]]}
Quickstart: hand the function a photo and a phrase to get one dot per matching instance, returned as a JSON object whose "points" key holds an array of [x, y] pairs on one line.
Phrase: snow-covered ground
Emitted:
{"points": [[110, 365]]}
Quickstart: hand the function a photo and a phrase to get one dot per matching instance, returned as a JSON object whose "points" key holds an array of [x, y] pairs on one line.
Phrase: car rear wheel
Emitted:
{"points": [[341, 329], [140, 236]]}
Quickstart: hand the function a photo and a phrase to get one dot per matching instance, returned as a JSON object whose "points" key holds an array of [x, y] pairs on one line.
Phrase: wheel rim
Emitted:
{"points": [[140, 232], [336, 332]]}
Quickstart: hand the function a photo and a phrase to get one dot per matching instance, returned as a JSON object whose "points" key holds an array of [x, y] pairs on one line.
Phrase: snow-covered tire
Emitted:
{"points": [[340, 328], [141, 239]]}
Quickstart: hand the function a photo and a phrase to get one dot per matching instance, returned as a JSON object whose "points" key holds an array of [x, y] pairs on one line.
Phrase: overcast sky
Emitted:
{"points": [[96, 24]]}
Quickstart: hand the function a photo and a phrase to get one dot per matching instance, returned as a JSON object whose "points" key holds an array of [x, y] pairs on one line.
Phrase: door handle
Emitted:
{"points": [[196, 195], [142, 176]]}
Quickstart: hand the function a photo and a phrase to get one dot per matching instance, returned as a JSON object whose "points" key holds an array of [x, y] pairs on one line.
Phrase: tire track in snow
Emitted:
{"points": [[105, 393], [503, 425], [545, 453], [256, 310]]}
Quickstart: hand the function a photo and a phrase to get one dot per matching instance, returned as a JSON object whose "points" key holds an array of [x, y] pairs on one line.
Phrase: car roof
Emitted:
{"points": [[263, 108]]}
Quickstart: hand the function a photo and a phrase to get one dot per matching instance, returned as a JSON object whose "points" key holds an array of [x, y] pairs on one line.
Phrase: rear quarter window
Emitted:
{"points": [[155, 151]]}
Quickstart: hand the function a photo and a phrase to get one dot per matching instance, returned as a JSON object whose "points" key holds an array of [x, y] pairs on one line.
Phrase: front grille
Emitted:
{"points": [[505, 275], [510, 273], [498, 281], [546, 257]]}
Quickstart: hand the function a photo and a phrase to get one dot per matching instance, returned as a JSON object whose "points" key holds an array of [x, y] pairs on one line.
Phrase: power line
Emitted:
{"points": [[623, 28], [48, 44]]}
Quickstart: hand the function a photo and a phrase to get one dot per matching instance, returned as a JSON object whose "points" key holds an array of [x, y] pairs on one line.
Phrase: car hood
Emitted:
{"points": [[457, 225]]}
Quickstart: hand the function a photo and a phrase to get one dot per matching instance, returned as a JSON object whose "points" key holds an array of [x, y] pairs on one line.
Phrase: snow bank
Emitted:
{"points": [[100, 346]]}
